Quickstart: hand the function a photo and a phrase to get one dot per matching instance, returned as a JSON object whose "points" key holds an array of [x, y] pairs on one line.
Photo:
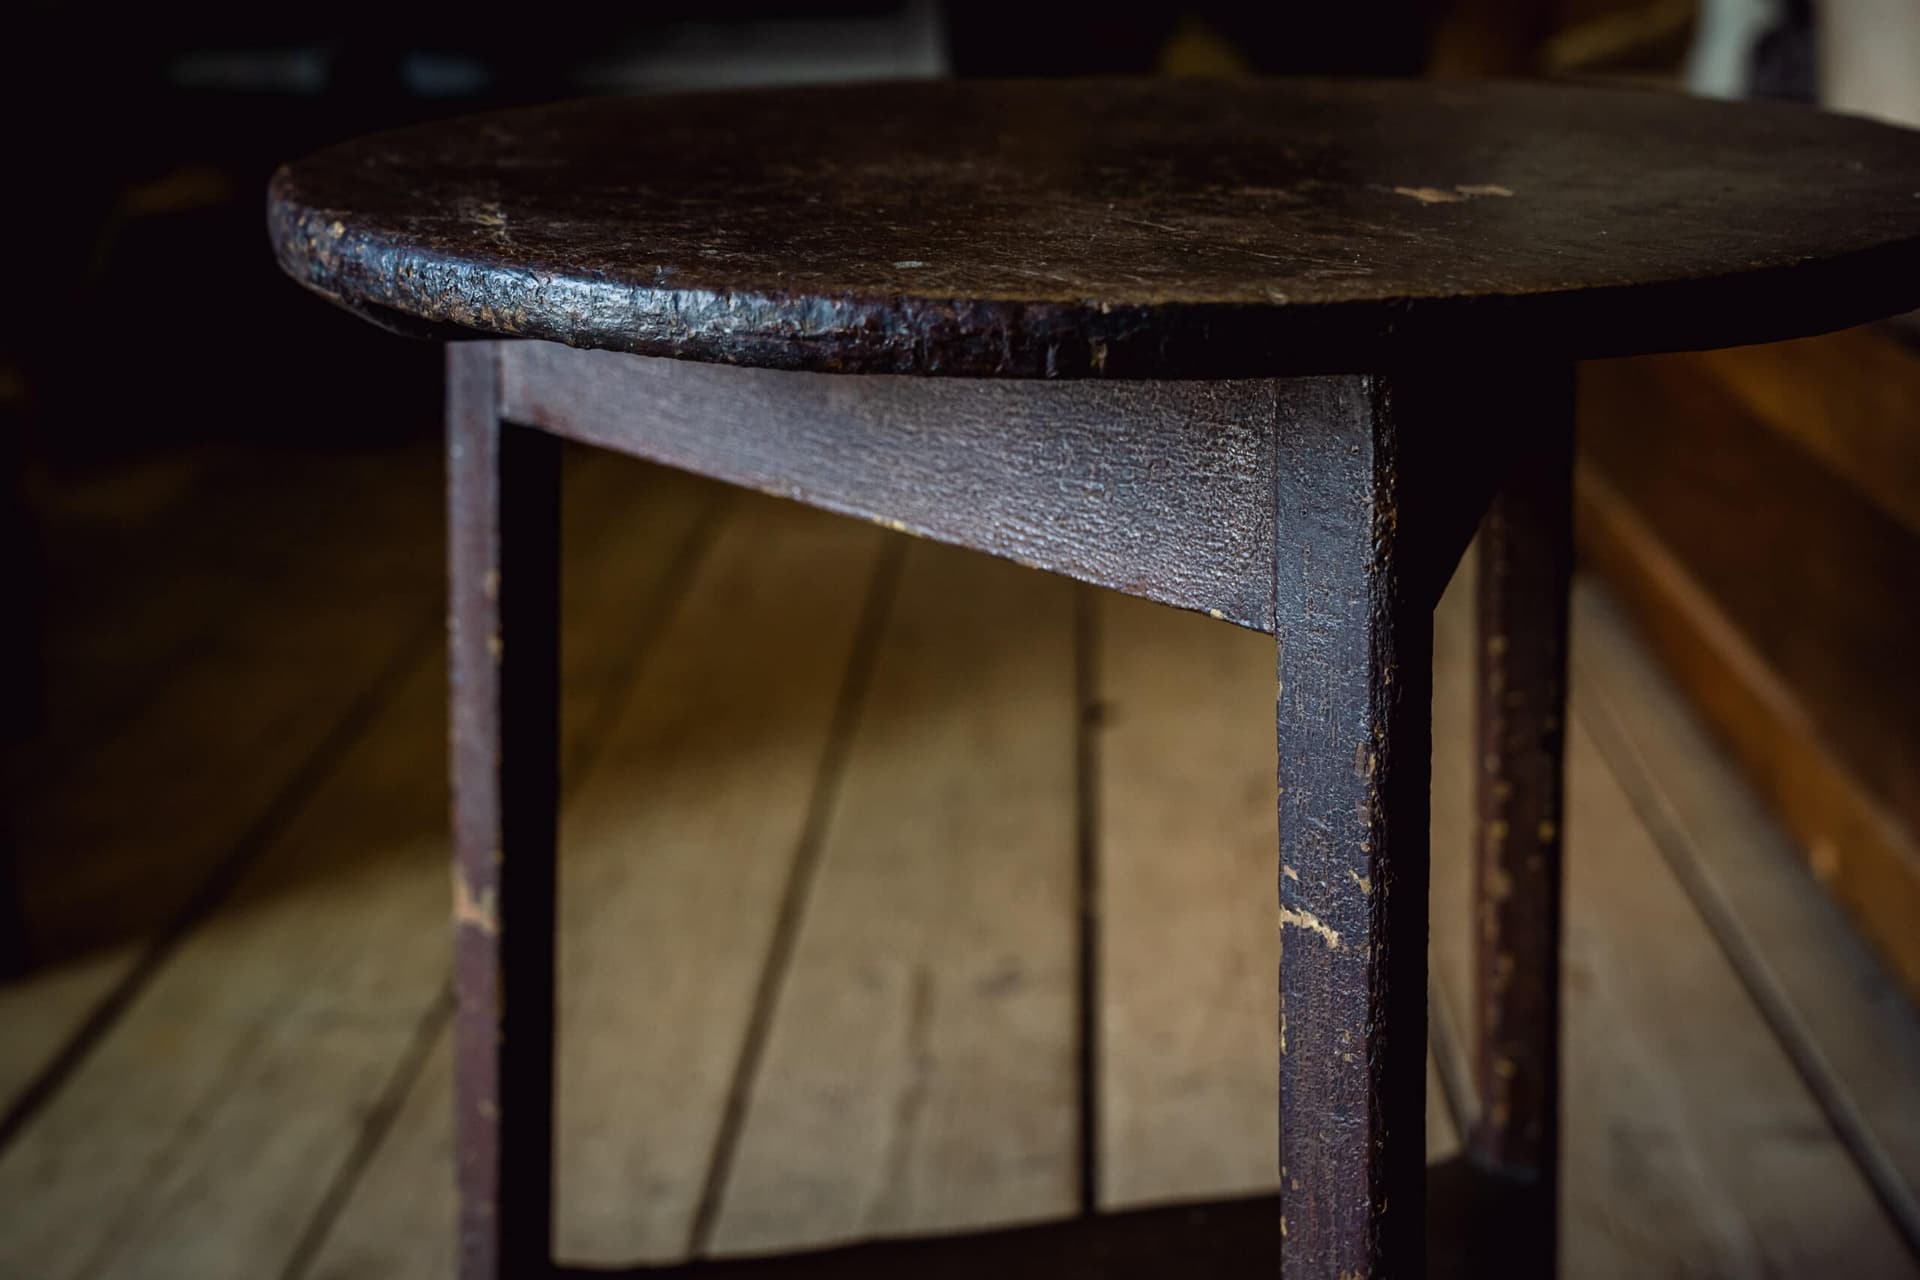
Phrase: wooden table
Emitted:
{"points": [[1273, 351]]}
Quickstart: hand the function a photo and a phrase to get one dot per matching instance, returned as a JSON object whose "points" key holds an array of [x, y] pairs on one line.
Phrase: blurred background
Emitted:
{"points": [[842, 1003]]}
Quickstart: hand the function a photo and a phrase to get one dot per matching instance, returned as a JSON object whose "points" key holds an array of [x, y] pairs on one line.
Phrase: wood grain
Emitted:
{"points": [[1186, 829], [1116, 229], [1859, 849], [1157, 489], [922, 1071], [629, 534], [1524, 574], [209, 1127], [1679, 1156], [158, 723], [679, 847], [1820, 584], [1353, 718], [1185, 822], [503, 740], [1849, 399], [1813, 977], [1767, 1188], [222, 1112]]}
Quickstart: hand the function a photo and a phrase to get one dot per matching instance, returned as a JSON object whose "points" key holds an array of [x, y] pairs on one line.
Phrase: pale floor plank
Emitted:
{"points": [[199, 1134], [922, 1069], [43, 1009], [1189, 949], [398, 1220], [1673, 1078], [1189, 946], [674, 848], [216, 744], [1691, 1147], [202, 1133], [678, 848], [1842, 1008]]}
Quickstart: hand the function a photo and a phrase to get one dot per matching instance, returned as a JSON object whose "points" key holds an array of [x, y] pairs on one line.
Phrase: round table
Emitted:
{"points": [[1271, 350]]}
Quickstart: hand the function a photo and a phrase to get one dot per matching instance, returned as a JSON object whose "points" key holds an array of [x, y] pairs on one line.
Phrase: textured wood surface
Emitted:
{"points": [[1800, 956], [243, 1083], [1786, 604], [670, 908], [1852, 838], [1117, 229], [1525, 572], [1184, 820], [921, 1071], [1352, 721], [1848, 399], [1680, 1157], [503, 656], [263, 1108], [1156, 489]]}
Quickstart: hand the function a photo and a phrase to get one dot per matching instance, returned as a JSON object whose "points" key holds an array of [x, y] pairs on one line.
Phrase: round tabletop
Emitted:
{"points": [[1118, 228]]}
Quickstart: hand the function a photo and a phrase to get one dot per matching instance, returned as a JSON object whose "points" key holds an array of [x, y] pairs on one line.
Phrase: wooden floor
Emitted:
{"points": [[903, 891]]}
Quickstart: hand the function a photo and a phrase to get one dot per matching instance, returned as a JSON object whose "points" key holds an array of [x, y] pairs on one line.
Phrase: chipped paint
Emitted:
{"points": [[1430, 195], [475, 911], [1306, 920], [1460, 193], [1365, 882], [1498, 882]]}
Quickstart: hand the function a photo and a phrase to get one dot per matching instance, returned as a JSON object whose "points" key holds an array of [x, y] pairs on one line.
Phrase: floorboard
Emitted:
{"points": [[822, 952], [668, 907], [203, 1131], [1692, 1147], [921, 1072], [1839, 1014]]}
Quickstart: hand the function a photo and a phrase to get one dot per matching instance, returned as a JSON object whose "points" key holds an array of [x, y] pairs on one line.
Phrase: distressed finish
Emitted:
{"points": [[1156, 489], [1525, 572], [1382, 286], [1149, 229], [503, 488], [1354, 709]]}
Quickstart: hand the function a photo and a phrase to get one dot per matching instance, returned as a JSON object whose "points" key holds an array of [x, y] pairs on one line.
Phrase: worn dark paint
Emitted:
{"points": [[1116, 229], [1353, 720], [1526, 566], [1395, 233], [1156, 489], [503, 635]]}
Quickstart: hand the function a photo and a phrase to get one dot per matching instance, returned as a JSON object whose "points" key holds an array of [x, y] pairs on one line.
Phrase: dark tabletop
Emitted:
{"points": [[1118, 229]]}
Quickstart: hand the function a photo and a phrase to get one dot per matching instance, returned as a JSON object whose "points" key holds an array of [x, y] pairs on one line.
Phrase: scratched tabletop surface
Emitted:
{"points": [[1117, 228]]}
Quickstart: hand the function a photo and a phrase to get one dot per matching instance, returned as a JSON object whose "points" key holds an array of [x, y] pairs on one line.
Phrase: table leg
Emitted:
{"points": [[1526, 563], [1354, 725], [503, 508]]}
